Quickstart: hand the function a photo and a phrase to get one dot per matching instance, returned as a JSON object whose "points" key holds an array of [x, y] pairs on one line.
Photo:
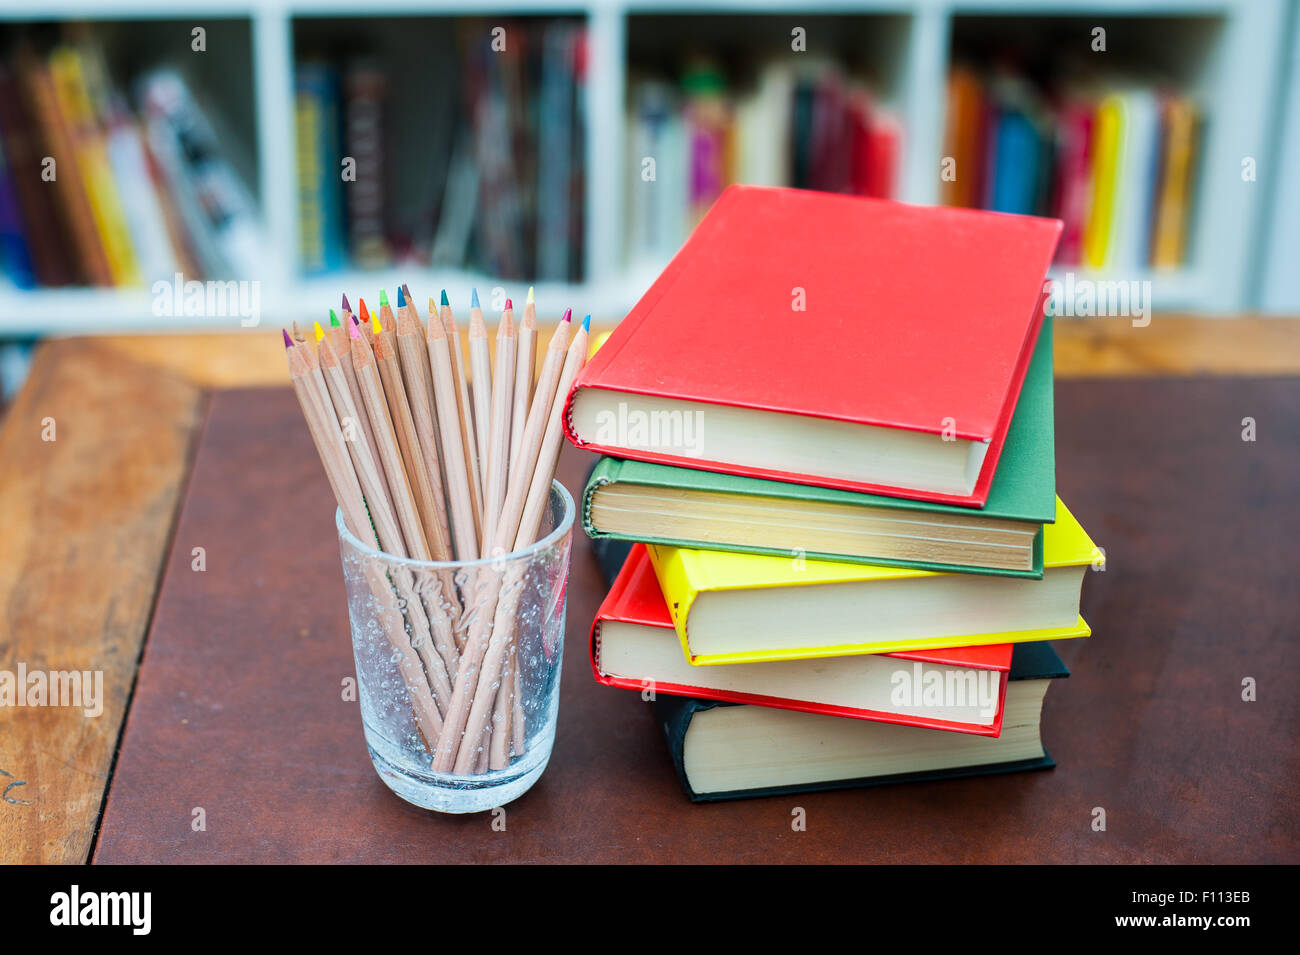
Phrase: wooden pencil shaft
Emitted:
{"points": [[367, 467], [464, 536], [525, 369], [390, 457], [408, 442], [498, 459], [520, 479], [354, 422], [481, 387], [415, 360], [464, 413]]}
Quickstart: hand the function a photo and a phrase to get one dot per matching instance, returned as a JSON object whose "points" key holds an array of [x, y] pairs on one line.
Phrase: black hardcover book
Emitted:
{"points": [[774, 733]]}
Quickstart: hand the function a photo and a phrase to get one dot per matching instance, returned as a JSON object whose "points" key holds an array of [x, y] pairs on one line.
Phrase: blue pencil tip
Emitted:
{"points": [[401, 300], [444, 297], [473, 298], [586, 324]]}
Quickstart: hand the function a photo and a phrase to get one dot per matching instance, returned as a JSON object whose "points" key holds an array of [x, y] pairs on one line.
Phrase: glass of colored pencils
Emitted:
{"points": [[454, 536]]}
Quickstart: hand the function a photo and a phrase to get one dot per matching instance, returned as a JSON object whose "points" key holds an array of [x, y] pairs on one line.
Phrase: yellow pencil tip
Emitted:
{"points": [[374, 324], [530, 296], [320, 333]]}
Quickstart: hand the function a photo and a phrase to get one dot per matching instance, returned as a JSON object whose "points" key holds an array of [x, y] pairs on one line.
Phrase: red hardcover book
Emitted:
{"points": [[831, 340], [634, 646]]}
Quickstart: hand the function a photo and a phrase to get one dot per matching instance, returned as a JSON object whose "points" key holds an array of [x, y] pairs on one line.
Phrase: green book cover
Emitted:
{"points": [[1023, 489]]}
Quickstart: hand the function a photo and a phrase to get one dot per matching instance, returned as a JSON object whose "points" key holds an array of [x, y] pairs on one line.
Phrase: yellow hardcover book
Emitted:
{"points": [[751, 608], [1107, 135], [92, 161], [1169, 236]]}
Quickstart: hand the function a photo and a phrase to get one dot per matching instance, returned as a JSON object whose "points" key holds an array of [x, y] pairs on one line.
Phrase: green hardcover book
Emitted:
{"points": [[682, 507]]}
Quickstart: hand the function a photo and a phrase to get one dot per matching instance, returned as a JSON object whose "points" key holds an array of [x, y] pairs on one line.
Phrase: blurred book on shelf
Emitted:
{"points": [[93, 192], [505, 194], [811, 126], [1115, 161]]}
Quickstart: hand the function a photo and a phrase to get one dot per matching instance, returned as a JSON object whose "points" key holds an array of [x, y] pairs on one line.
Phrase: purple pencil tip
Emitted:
{"points": [[288, 342], [346, 306], [568, 314]]}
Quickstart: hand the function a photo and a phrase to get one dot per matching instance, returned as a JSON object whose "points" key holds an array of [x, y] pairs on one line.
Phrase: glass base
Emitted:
{"points": [[450, 793]]}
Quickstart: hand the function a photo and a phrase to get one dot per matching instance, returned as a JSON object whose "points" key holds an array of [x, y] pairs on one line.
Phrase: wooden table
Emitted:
{"points": [[85, 521]]}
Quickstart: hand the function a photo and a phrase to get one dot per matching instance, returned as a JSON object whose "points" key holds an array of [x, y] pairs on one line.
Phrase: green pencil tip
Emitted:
{"points": [[383, 297], [334, 319]]}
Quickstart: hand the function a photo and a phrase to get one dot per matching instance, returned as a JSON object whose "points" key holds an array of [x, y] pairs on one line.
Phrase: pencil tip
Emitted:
{"points": [[365, 315], [568, 314], [334, 319], [375, 325], [530, 296], [288, 342], [473, 298], [354, 330], [509, 305], [383, 298], [401, 299], [444, 297], [346, 306], [586, 324], [433, 309], [320, 332]]}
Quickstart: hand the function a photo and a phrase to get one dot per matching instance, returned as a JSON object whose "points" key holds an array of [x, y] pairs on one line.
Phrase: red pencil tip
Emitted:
{"points": [[288, 342], [365, 315], [509, 305], [568, 315]]}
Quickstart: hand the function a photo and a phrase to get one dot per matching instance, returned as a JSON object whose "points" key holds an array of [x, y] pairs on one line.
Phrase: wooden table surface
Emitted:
{"points": [[85, 521]]}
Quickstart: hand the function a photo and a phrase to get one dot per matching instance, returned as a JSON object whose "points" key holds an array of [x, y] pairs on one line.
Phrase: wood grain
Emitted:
{"points": [[85, 518], [1169, 345]]}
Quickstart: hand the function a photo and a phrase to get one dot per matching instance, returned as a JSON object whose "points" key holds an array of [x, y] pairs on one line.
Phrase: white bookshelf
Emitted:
{"points": [[1238, 77]]}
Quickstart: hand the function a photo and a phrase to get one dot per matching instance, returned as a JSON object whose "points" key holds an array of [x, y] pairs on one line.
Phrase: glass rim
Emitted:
{"points": [[564, 526]]}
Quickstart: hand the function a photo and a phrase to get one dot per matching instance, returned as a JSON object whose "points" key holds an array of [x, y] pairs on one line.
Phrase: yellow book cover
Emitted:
{"points": [[685, 574], [92, 161], [1107, 133], [1169, 237]]}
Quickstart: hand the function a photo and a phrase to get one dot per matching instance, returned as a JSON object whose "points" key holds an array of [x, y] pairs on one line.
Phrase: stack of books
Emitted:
{"points": [[828, 427]]}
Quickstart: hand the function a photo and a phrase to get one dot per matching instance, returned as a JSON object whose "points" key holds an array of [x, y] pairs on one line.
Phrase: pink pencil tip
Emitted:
{"points": [[288, 342], [509, 305], [568, 315], [353, 330]]}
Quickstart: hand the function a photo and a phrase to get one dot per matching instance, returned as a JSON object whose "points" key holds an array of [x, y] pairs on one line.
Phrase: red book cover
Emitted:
{"points": [[635, 598], [851, 309], [1074, 176]]}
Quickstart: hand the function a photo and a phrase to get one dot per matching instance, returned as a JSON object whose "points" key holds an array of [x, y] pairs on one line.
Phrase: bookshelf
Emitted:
{"points": [[1230, 53]]}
